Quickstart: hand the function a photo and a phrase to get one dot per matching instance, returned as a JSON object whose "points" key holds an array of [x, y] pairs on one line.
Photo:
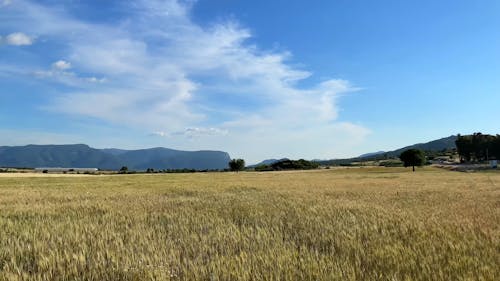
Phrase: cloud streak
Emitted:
{"points": [[59, 72], [167, 74], [192, 133]]}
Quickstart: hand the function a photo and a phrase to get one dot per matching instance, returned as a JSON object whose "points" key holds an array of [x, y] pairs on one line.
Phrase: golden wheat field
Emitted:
{"points": [[337, 224]]}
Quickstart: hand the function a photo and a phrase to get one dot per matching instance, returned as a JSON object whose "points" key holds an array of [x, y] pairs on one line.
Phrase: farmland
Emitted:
{"points": [[337, 224]]}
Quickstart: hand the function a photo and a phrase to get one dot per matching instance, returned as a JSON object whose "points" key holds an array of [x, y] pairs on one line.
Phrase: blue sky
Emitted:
{"points": [[259, 79]]}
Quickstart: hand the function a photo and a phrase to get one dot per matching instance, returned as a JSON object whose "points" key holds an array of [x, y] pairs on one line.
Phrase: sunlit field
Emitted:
{"points": [[337, 224]]}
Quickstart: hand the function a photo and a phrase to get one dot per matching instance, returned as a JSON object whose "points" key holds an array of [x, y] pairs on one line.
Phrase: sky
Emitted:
{"points": [[258, 79]]}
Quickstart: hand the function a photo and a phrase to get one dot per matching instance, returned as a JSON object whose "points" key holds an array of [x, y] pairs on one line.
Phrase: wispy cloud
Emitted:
{"points": [[159, 134], [4, 3], [167, 74], [202, 132], [193, 132], [59, 72]]}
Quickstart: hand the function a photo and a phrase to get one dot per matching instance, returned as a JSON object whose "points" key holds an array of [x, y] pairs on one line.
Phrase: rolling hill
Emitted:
{"points": [[435, 145], [267, 162]]}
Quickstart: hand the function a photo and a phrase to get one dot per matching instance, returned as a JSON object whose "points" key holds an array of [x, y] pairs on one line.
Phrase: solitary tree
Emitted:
{"points": [[123, 170], [237, 165], [413, 157]]}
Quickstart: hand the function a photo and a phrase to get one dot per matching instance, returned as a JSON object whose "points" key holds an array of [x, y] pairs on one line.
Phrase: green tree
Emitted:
{"points": [[123, 170], [495, 148], [237, 165], [478, 147], [464, 148], [413, 157]]}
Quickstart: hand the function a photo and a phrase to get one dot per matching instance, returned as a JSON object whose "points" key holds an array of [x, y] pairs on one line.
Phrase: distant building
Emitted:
{"points": [[62, 170]]}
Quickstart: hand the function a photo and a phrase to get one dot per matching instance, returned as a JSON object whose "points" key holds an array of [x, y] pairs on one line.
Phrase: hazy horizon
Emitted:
{"points": [[247, 163]]}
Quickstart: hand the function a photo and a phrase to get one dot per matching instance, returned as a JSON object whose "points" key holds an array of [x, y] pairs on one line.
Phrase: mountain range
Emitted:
{"points": [[83, 156], [435, 145]]}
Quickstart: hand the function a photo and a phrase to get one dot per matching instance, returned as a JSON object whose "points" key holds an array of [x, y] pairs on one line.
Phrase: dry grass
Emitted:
{"points": [[346, 224], [39, 175]]}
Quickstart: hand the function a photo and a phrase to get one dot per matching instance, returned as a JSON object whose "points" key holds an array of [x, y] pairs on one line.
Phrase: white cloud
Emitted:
{"points": [[19, 39], [195, 132], [167, 74], [61, 65]]}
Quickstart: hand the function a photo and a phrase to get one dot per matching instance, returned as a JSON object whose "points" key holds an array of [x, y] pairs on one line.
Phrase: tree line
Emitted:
{"points": [[478, 147]]}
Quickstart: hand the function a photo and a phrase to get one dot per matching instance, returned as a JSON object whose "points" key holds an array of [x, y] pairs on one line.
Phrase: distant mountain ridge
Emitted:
{"points": [[435, 145], [371, 154], [267, 162], [83, 156]]}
